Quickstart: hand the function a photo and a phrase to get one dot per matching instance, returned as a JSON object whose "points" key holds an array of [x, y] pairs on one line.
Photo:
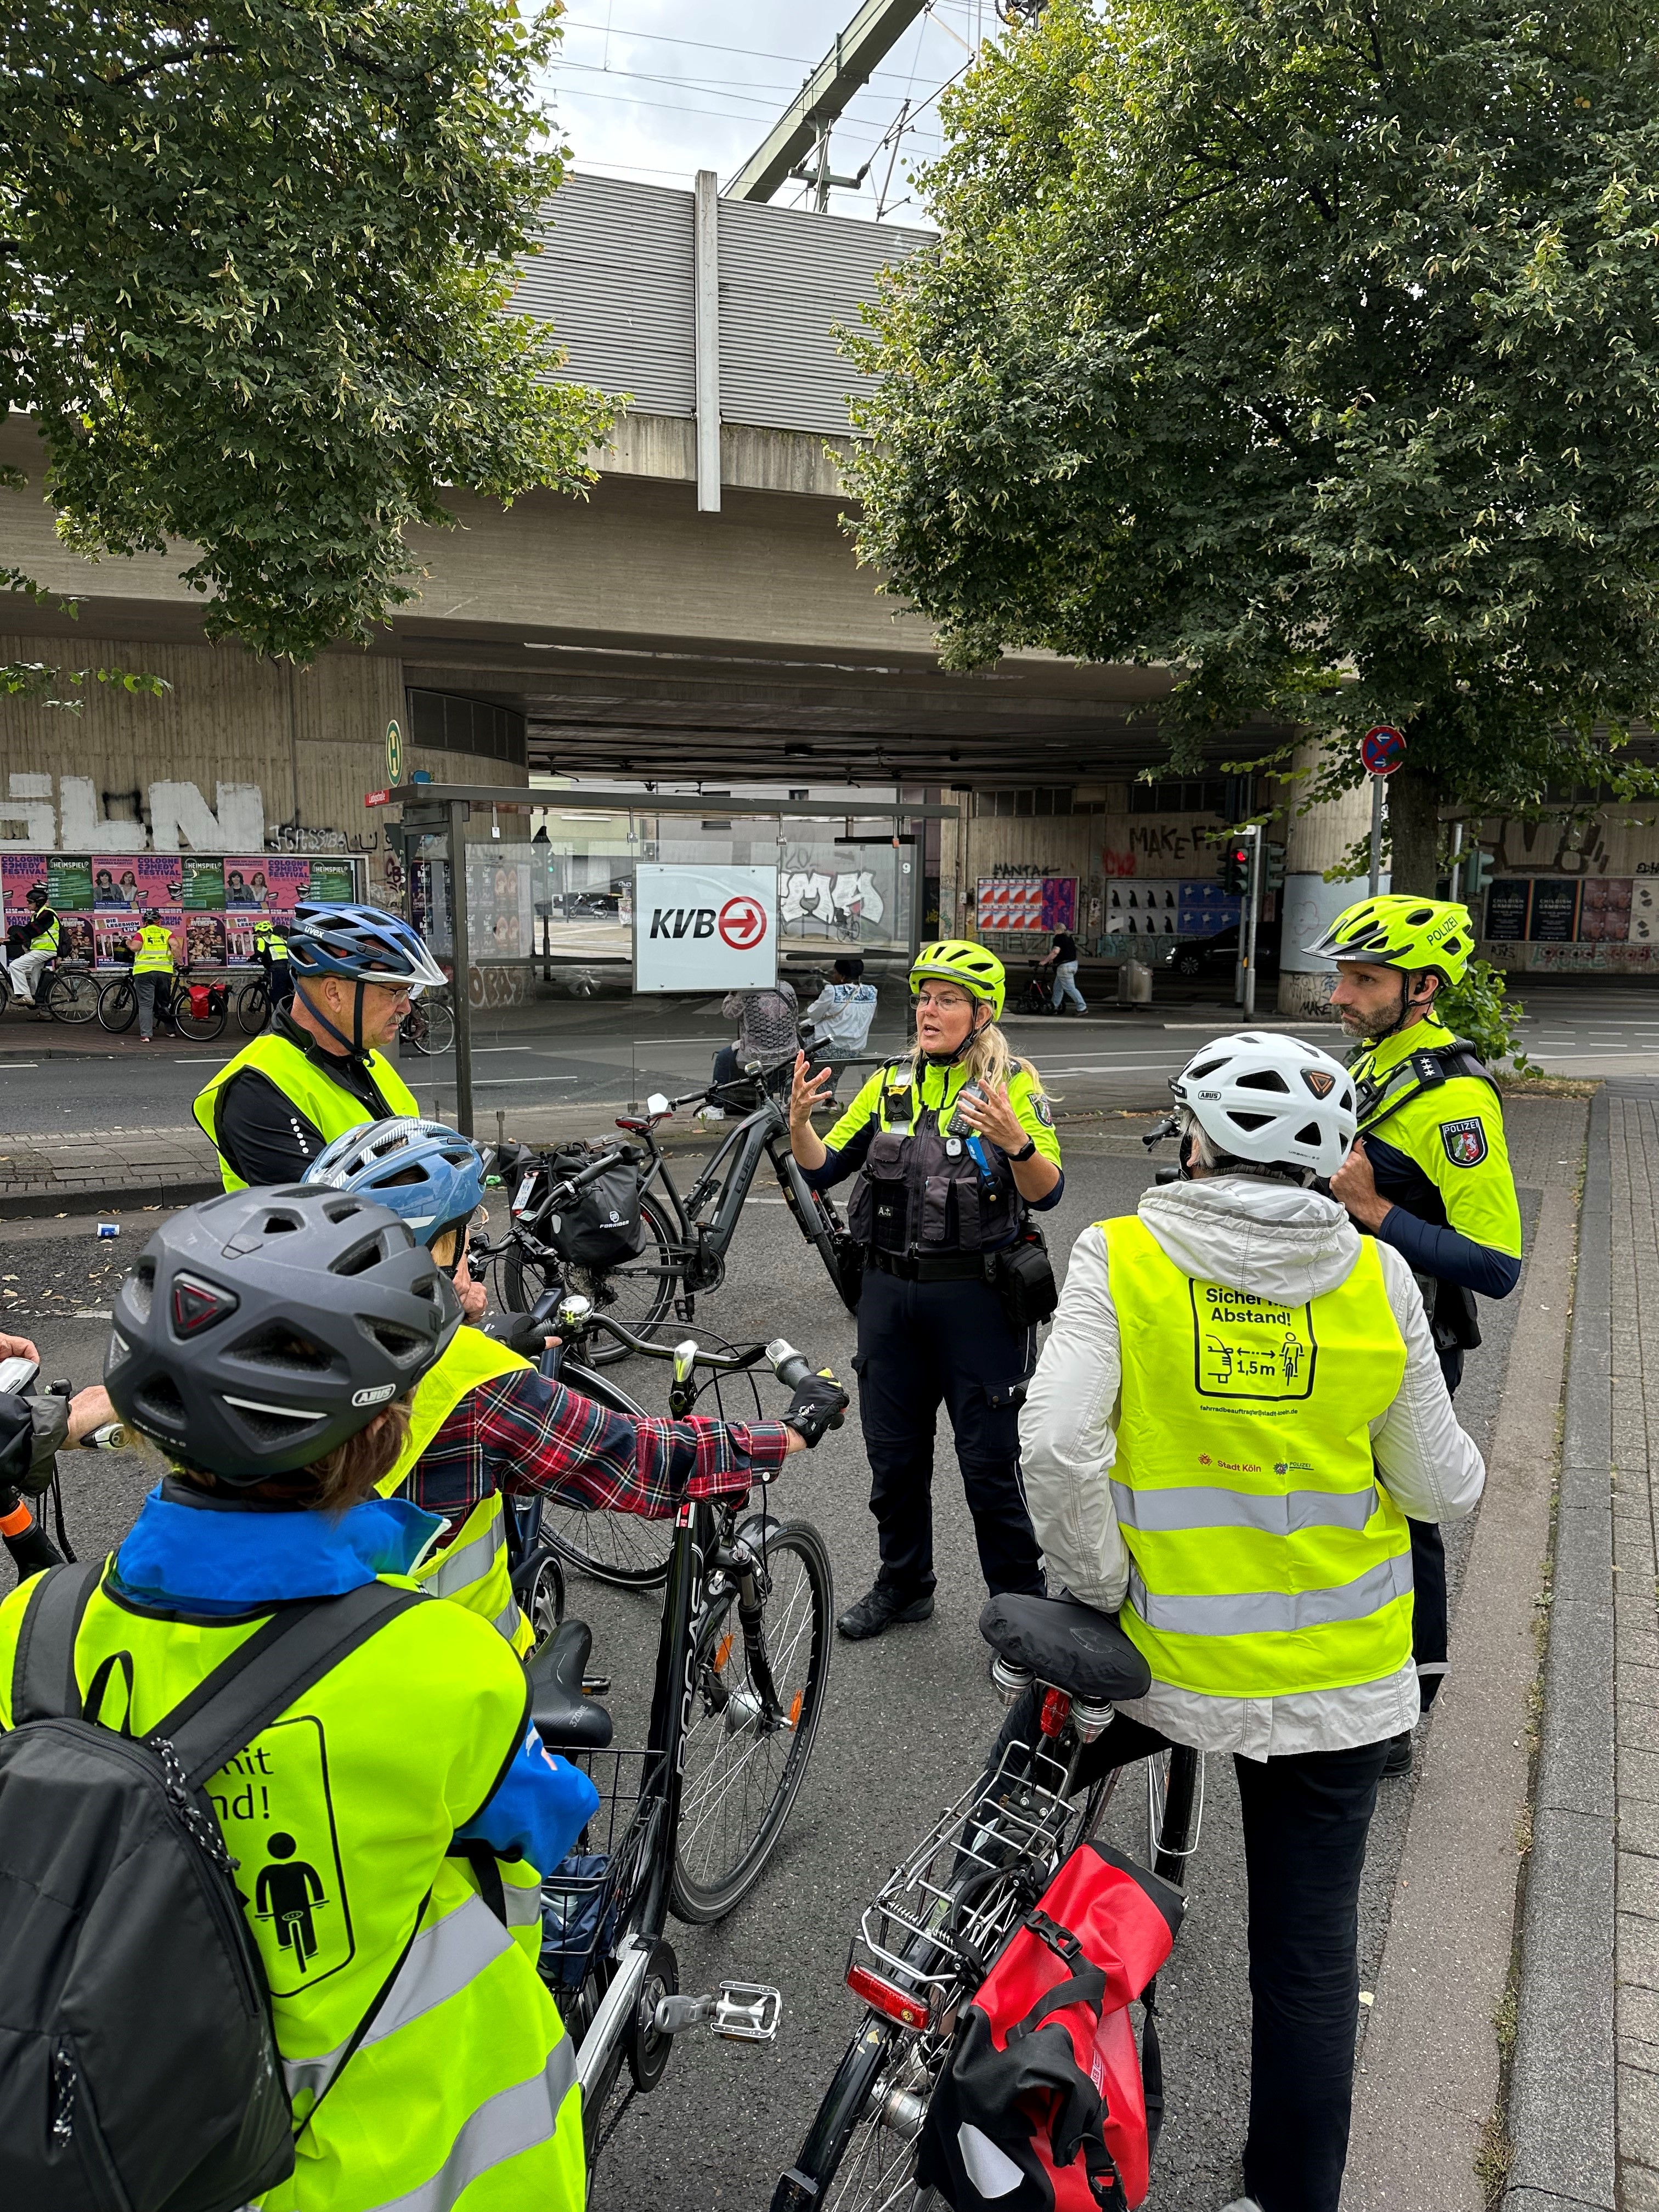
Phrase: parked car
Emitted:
{"points": [[1218, 956]]}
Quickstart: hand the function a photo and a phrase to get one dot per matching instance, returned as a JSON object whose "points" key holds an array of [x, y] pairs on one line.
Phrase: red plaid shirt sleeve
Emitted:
{"points": [[522, 1432]]}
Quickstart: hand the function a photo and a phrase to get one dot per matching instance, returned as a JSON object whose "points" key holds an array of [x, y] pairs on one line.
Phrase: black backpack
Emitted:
{"points": [[138, 2067]]}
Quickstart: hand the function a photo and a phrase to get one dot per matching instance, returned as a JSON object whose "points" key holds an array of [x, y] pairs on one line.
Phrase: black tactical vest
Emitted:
{"points": [[921, 1192]]}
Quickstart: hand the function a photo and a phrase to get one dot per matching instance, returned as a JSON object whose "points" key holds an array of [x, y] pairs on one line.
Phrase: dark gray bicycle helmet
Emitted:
{"points": [[261, 1329]]}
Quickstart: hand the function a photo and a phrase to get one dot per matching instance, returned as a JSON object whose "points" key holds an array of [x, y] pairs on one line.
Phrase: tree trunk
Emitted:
{"points": [[1414, 830]]}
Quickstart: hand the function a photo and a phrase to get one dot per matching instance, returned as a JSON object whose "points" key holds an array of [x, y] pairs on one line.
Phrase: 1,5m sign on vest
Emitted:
{"points": [[705, 929]]}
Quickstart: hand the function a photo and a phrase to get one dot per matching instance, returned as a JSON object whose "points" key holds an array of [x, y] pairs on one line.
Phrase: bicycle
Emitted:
{"points": [[429, 1026], [929, 1938], [687, 1236], [196, 1011], [70, 994], [688, 1822]]}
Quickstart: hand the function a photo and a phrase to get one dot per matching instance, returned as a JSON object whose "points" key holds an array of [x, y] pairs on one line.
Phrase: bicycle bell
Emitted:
{"points": [[574, 1312]]}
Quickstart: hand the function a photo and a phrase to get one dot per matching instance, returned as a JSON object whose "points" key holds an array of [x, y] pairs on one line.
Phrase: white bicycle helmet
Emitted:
{"points": [[1271, 1099]]}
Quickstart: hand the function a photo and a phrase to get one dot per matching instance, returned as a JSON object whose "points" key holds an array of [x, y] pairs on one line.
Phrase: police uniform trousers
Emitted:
{"points": [[1429, 1614], [922, 1345]]}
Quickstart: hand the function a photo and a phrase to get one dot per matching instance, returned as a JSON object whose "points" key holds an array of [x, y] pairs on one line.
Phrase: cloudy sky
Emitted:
{"points": [[657, 89]]}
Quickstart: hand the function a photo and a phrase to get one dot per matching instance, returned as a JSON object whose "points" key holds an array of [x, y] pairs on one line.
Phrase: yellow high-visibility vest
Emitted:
{"points": [[462, 2088], [155, 953], [472, 1569], [1268, 1557], [327, 1105]]}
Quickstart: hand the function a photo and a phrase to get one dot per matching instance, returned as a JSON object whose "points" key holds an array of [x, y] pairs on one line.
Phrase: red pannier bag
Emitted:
{"points": [[1042, 2106], [201, 1000]]}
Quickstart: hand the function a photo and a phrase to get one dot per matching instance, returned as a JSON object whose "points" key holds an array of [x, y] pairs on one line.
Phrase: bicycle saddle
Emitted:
{"points": [[561, 1716], [1078, 1649]]}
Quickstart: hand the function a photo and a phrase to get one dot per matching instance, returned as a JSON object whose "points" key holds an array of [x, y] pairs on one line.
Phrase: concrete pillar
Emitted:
{"points": [[706, 252], [1317, 840]]}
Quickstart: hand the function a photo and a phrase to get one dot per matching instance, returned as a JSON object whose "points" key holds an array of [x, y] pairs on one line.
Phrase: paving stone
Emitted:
{"points": [[1639, 2187]]}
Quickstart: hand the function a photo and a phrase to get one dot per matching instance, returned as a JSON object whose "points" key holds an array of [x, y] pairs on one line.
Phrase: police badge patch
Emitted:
{"points": [[1465, 1141], [1044, 1110]]}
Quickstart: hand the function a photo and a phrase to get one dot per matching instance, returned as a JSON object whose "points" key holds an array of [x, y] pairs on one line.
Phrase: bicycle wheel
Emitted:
{"points": [[117, 1005], [539, 1585], [430, 1028], [620, 1549], [638, 1294], [200, 1028], [253, 1007], [1175, 1810], [72, 995], [747, 1752]]}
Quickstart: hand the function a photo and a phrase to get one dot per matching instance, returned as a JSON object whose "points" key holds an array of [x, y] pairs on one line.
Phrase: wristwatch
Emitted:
{"points": [[1029, 1147]]}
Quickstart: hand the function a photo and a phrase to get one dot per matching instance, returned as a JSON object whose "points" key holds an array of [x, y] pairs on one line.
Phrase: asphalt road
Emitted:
{"points": [[562, 1053], [906, 1722]]}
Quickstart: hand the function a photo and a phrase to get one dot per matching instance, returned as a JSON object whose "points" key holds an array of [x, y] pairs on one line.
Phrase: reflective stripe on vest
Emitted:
{"points": [[155, 953], [329, 1107], [342, 1811], [1267, 1558], [472, 1569]]}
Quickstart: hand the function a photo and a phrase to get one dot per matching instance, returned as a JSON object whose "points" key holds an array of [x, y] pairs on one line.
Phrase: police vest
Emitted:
{"points": [[921, 1191], [154, 954], [266, 940], [472, 1569], [47, 940], [420, 2050], [329, 1107], [1266, 1557], [1379, 1095]]}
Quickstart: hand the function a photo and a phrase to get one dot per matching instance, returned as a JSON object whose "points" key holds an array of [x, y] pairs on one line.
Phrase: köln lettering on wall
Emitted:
{"points": [[180, 817], [705, 929]]}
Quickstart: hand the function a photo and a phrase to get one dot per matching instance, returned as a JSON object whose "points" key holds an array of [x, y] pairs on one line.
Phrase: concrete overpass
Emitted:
{"points": [[702, 614]]}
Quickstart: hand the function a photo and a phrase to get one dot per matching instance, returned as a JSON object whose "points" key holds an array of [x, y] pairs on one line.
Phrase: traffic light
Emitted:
{"points": [[1275, 876], [1236, 867], [1478, 866]]}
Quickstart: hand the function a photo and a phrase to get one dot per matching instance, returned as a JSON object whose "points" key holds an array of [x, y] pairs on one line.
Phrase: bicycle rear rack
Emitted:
{"points": [[945, 1911]]}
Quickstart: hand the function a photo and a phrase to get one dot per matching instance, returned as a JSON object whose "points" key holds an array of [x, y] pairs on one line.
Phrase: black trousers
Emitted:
{"points": [[1305, 1823], [925, 1345], [1430, 1623]]}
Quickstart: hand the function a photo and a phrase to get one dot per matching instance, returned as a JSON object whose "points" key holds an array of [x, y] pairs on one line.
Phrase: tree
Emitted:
{"points": [[254, 256], [1309, 346]]}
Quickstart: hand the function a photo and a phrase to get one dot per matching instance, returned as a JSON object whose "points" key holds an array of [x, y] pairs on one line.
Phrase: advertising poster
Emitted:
{"points": [[1644, 912], [19, 873], [202, 883], [69, 885], [1507, 904], [207, 903], [1554, 916], [1027, 903], [333, 882], [500, 912], [1604, 907], [260, 883]]}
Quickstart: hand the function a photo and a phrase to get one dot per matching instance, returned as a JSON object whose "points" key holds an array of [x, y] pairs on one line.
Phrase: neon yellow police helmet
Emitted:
{"points": [[1402, 932], [954, 960]]}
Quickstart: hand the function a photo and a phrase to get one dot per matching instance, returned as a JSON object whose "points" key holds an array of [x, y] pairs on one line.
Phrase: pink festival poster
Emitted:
{"points": [[260, 883]]}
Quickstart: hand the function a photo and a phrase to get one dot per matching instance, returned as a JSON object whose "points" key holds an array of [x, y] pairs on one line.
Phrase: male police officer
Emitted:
{"points": [[286, 1097], [1430, 1173]]}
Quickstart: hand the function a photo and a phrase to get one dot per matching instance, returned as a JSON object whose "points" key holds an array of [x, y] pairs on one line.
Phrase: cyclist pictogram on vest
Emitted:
{"points": [[275, 1806], [1245, 1348]]}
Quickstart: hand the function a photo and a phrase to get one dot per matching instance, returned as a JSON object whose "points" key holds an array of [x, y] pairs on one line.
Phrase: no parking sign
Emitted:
{"points": [[705, 929]]}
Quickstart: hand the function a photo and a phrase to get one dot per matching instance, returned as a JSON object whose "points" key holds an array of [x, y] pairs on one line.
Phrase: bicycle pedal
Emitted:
{"points": [[747, 2012], [596, 1685]]}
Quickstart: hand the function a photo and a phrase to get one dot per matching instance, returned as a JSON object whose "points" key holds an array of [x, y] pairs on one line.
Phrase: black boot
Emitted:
{"points": [[1399, 1760], [878, 1612]]}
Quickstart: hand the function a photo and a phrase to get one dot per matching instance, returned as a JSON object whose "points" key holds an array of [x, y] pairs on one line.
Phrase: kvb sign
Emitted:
{"points": [[705, 929]]}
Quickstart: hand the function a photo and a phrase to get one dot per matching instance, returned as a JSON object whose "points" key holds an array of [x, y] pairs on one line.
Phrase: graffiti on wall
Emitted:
{"points": [[807, 895], [1161, 848], [172, 817]]}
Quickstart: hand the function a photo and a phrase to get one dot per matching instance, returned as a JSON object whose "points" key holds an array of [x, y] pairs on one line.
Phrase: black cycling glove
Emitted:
{"points": [[33, 1430], [819, 1403]]}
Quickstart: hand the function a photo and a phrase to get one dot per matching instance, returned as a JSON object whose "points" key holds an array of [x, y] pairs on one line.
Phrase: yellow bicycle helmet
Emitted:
{"points": [[954, 960], [1402, 932]]}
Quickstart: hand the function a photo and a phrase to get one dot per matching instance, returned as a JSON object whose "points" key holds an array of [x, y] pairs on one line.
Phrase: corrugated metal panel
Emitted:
{"points": [[787, 277], [615, 280]]}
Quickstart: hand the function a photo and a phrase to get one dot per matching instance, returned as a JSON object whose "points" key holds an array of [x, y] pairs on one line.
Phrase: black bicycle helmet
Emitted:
{"points": [[261, 1329]]}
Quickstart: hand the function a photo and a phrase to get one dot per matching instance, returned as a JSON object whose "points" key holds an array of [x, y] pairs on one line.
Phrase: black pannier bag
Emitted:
{"points": [[600, 1226]]}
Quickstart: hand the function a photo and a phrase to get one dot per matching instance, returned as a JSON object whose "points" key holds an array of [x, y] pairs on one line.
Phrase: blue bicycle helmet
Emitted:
{"points": [[430, 1177], [362, 943]]}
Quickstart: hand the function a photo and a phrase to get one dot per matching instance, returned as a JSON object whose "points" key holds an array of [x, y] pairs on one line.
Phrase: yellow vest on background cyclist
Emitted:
{"points": [[154, 956], [425, 2061], [1238, 1407], [278, 1105]]}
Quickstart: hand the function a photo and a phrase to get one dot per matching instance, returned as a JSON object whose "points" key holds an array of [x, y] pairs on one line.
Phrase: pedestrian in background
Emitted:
{"points": [[768, 1032], [152, 968], [1063, 954], [840, 1016]]}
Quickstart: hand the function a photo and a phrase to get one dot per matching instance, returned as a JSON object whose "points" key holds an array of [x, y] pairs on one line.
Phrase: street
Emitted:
{"points": [[907, 1719], [558, 1054]]}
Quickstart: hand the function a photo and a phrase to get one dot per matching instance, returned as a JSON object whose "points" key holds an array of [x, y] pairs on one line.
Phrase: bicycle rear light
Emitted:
{"points": [[1056, 1705], [886, 1997]]}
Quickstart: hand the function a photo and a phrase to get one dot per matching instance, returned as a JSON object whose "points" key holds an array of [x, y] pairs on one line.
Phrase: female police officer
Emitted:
{"points": [[945, 1183]]}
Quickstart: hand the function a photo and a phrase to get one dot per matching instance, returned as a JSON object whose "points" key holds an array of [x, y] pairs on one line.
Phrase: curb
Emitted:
{"points": [[80, 1197], [1562, 2083]]}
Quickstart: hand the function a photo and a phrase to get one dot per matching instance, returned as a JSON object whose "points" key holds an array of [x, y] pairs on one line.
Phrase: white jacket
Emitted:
{"points": [[1274, 1242]]}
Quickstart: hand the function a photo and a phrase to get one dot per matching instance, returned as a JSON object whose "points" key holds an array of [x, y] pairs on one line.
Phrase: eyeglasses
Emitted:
{"points": [[942, 1005]]}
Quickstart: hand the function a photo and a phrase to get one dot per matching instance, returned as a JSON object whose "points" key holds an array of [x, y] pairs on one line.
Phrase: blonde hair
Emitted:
{"points": [[987, 1059]]}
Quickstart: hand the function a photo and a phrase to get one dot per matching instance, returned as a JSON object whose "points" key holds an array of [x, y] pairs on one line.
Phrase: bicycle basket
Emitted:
{"points": [[583, 1896], [601, 1226]]}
